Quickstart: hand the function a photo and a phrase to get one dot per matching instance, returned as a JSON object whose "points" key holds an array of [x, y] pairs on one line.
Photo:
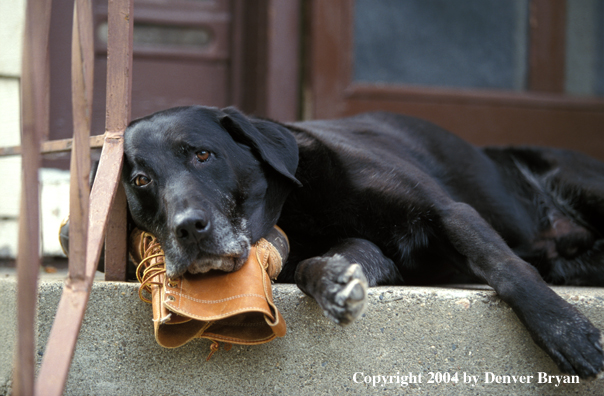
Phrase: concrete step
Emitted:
{"points": [[438, 334]]}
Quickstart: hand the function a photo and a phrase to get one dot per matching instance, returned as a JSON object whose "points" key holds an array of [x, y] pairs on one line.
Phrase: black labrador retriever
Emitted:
{"points": [[376, 199]]}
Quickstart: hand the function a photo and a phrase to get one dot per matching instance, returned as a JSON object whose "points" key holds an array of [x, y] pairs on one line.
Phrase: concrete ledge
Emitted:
{"points": [[404, 330]]}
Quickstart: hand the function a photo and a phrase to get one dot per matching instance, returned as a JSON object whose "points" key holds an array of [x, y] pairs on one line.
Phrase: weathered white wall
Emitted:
{"points": [[55, 189], [12, 16], [10, 167], [54, 207]]}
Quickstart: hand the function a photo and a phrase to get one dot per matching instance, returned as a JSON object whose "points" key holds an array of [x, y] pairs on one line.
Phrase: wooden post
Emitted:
{"points": [[283, 54]]}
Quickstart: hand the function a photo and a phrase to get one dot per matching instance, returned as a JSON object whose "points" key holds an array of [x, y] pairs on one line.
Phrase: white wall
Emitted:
{"points": [[12, 15], [55, 184]]}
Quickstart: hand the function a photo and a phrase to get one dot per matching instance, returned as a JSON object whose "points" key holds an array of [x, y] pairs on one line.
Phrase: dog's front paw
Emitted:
{"points": [[343, 294], [574, 344], [579, 351]]}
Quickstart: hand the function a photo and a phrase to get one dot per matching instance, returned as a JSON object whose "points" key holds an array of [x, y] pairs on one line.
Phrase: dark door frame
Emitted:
{"points": [[266, 64]]}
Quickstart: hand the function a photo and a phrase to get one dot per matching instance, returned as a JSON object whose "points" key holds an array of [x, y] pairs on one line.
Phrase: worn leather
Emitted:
{"points": [[235, 307]]}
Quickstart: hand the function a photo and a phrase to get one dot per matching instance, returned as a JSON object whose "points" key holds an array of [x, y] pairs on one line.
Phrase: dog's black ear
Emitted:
{"points": [[274, 143]]}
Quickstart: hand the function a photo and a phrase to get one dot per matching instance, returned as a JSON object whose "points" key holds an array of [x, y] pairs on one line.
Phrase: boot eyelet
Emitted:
{"points": [[172, 283]]}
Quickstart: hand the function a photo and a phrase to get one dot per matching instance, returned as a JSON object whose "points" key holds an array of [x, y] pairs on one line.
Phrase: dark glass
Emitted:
{"points": [[460, 43]]}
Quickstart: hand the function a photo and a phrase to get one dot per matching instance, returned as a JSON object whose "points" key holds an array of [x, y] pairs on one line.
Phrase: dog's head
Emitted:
{"points": [[208, 183]]}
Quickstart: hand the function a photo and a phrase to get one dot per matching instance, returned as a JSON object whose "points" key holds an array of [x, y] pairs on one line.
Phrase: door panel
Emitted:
{"points": [[206, 52]]}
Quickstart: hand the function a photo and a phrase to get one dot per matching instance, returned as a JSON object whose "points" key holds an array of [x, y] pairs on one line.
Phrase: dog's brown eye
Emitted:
{"points": [[203, 155], [142, 180]]}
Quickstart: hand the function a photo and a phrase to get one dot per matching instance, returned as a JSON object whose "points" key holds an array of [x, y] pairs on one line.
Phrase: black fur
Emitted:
{"points": [[376, 199]]}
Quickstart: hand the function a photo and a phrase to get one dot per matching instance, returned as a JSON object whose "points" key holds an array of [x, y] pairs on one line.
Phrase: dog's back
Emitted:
{"points": [[363, 168]]}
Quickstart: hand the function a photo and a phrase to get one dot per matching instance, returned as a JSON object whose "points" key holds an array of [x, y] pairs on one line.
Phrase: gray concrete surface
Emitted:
{"points": [[442, 334]]}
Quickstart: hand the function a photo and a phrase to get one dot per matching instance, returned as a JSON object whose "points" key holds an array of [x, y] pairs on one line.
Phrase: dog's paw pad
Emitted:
{"points": [[353, 292], [354, 271], [345, 296], [576, 346]]}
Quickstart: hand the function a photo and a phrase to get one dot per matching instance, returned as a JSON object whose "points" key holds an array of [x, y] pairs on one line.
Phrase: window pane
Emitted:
{"points": [[460, 43], [163, 35], [585, 47]]}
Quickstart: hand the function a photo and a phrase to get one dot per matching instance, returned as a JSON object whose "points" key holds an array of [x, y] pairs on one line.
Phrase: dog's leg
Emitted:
{"points": [[562, 331], [338, 280]]}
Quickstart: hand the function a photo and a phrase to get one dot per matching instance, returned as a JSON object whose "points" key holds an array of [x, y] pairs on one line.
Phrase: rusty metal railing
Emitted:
{"points": [[34, 119], [92, 214]]}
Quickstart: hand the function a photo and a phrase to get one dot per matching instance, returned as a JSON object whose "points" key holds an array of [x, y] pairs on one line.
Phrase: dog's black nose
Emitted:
{"points": [[192, 225]]}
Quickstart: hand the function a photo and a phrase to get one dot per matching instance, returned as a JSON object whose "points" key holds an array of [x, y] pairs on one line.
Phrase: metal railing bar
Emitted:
{"points": [[116, 239], [72, 306], [54, 146], [35, 110], [82, 81], [9, 76], [63, 336], [119, 88], [103, 194], [91, 214], [119, 65]]}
